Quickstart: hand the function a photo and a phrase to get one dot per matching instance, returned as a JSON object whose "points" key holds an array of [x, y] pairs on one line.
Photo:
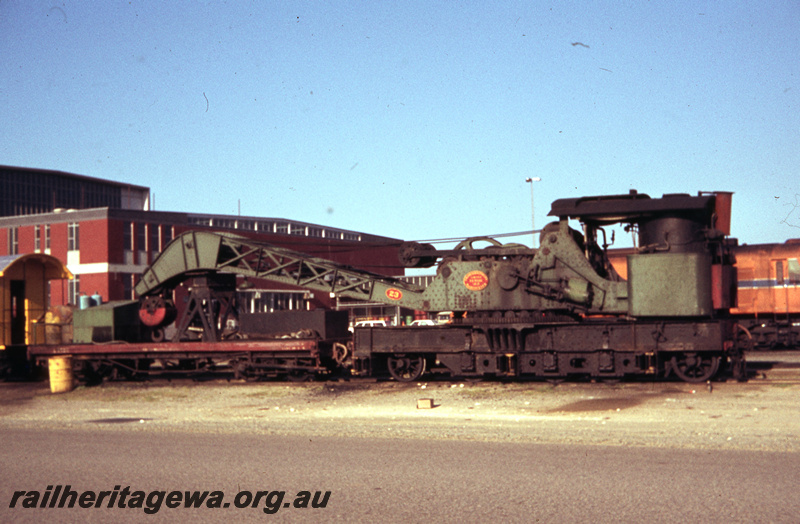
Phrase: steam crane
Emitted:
{"points": [[555, 311]]}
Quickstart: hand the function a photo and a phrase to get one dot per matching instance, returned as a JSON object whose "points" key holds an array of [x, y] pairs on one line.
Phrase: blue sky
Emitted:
{"points": [[414, 120]]}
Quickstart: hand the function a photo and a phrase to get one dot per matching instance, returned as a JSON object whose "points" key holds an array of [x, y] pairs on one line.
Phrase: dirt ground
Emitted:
{"points": [[757, 415]]}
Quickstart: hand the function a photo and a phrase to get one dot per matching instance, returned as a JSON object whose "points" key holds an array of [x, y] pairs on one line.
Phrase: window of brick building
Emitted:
{"points": [[74, 290], [13, 241], [73, 243]]}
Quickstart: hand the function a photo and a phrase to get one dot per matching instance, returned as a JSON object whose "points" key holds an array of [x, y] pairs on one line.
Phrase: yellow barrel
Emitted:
{"points": [[60, 374]]}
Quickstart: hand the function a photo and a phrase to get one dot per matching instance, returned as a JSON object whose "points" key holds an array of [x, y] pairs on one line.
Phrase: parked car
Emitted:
{"points": [[370, 323]]}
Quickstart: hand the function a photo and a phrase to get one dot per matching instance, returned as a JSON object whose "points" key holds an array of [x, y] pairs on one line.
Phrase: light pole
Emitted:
{"points": [[533, 214]]}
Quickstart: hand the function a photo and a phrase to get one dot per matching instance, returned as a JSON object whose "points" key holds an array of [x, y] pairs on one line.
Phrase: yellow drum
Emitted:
{"points": [[61, 380]]}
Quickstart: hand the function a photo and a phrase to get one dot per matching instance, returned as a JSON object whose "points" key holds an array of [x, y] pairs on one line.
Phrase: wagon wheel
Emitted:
{"points": [[93, 372], [157, 334], [406, 368], [299, 375], [240, 370], [694, 367]]}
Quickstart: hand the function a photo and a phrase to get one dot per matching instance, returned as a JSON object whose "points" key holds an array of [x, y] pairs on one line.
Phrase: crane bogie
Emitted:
{"points": [[599, 349]]}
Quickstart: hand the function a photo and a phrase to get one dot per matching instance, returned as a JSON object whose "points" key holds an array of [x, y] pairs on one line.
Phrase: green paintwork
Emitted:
{"points": [[670, 284], [570, 272], [557, 276], [110, 321]]}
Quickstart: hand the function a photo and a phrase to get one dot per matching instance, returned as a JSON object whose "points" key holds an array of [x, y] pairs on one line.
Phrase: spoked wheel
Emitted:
{"points": [[695, 367], [299, 375], [406, 368], [241, 370], [93, 373], [157, 334]]}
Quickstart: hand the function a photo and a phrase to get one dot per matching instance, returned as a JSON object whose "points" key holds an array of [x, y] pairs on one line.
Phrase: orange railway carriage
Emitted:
{"points": [[769, 279], [769, 292]]}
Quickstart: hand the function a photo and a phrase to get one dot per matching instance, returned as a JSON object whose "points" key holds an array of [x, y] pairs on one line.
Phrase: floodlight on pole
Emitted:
{"points": [[533, 214]]}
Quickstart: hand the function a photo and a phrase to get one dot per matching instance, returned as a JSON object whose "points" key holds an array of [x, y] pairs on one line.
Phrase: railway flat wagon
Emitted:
{"points": [[108, 342]]}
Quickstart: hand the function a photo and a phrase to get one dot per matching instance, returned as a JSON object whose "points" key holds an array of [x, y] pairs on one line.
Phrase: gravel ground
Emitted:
{"points": [[757, 415]]}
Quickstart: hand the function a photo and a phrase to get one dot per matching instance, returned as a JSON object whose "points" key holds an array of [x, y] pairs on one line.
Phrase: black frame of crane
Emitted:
{"points": [[593, 349]]}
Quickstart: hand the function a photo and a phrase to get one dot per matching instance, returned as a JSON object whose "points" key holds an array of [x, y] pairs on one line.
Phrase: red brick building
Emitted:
{"points": [[106, 235]]}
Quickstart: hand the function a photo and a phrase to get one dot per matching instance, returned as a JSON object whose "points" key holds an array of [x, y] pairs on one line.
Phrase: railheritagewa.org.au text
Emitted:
{"points": [[60, 496]]}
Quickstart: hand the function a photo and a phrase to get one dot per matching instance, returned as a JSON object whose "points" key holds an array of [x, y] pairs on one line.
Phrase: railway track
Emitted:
{"points": [[764, 368]]}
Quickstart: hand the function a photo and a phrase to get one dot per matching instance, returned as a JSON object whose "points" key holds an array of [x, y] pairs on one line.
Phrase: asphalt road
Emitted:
{"points": [[386, 480]]}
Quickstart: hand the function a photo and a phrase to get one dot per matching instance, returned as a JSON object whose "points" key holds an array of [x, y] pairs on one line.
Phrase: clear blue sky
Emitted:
{"points": [[414, 120]]}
